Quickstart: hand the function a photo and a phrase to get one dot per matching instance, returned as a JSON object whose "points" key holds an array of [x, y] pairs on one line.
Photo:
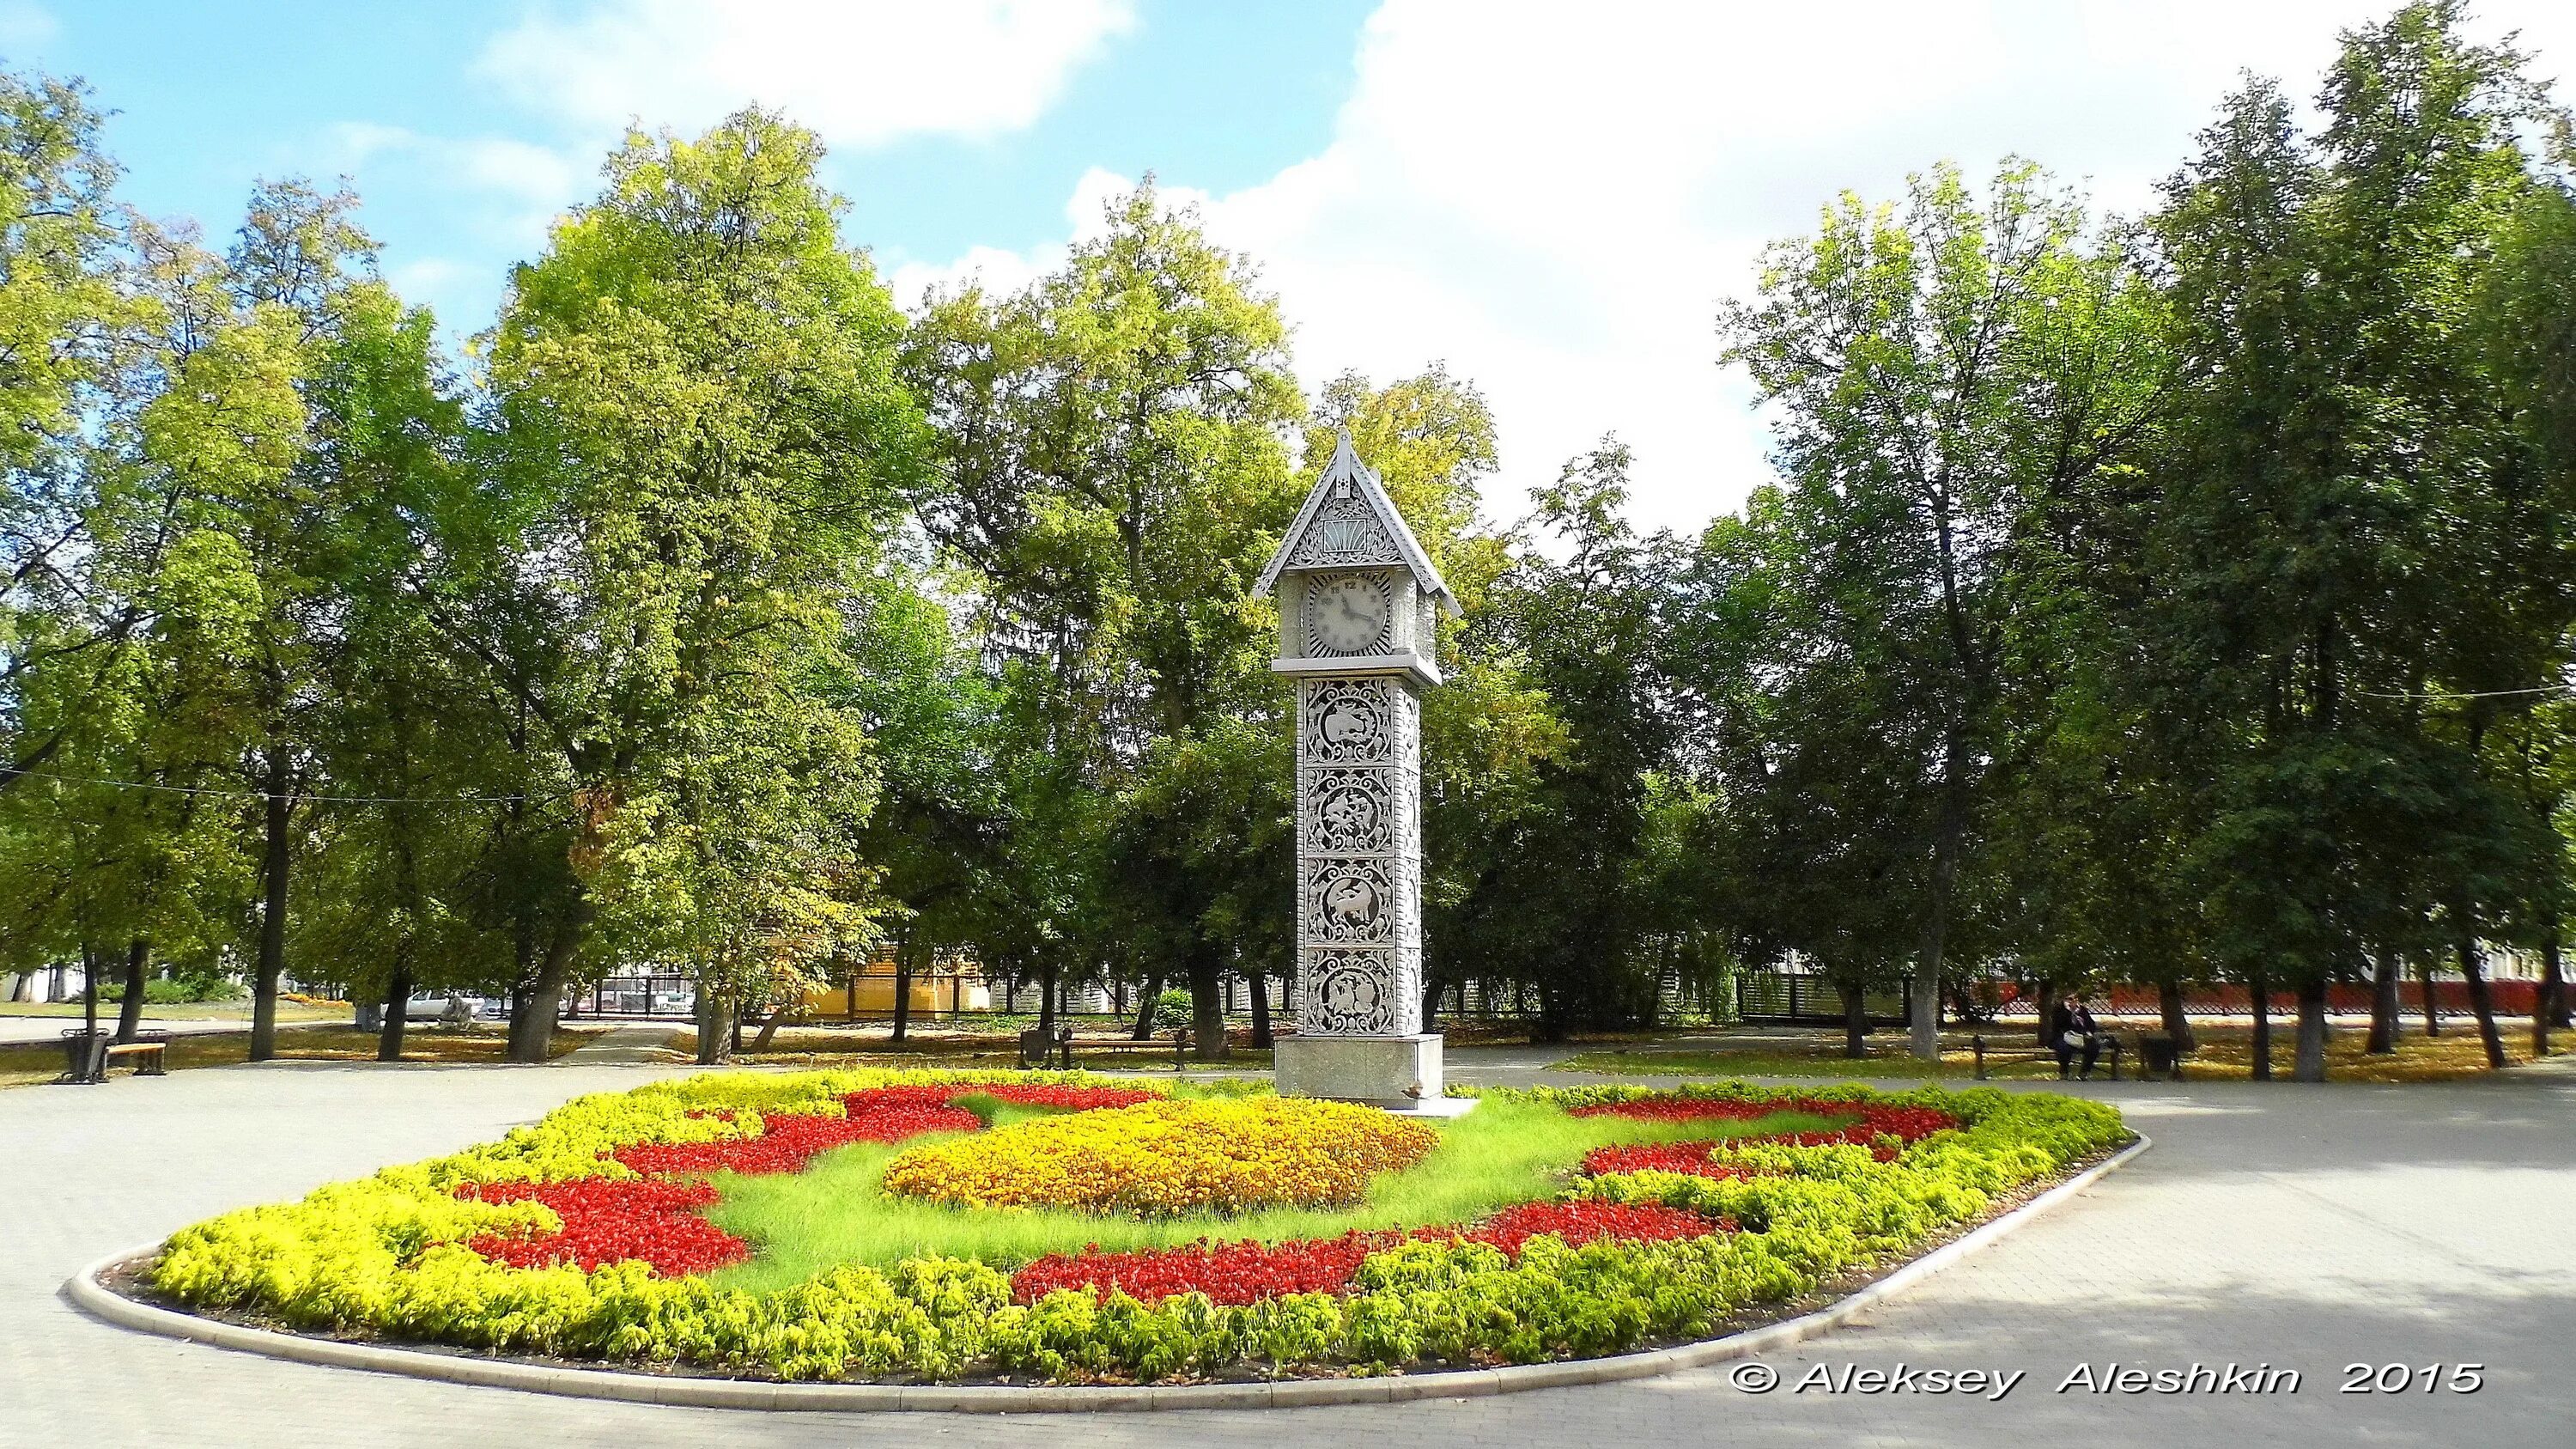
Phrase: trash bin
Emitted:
{"points": [[84, 1055], [2157, 1057]]}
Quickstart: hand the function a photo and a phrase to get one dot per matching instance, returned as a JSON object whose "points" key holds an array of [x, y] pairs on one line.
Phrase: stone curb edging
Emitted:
{"points": [[91, 1295]]}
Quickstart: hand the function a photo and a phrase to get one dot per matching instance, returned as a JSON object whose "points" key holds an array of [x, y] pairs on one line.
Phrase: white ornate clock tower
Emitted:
{"points": [[1358, 602]]}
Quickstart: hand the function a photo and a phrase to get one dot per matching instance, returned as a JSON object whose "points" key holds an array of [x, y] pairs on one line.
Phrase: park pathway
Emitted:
{"points": [[2304, 1228], [623, 1046]]}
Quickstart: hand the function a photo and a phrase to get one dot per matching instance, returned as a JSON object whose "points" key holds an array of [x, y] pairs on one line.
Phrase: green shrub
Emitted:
{"points": [[1174, 1009], [385, 1254], [183, 991]]}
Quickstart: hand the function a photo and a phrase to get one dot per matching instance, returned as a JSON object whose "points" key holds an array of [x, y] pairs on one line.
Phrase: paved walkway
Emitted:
{"points": [[624, 1046], [2304, 1228]]}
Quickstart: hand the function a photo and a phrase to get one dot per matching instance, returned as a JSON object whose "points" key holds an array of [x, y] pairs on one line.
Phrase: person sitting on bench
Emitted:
{"points": [[2071, 1028]]}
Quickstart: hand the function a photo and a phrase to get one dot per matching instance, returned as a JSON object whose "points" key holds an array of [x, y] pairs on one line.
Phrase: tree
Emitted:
{"points": [[706, 440], [1557, 896], [2364, 566], [1943, 372], [1114, 482], [68, 317], [1791, 729]]}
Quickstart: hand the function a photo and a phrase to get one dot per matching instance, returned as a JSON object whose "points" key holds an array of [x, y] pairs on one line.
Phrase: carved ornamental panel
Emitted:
{"points": [[1345, 533], [1359, 857]]}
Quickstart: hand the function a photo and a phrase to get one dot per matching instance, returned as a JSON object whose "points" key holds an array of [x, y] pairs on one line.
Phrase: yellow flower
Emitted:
{"points": [[1161, 1158]]}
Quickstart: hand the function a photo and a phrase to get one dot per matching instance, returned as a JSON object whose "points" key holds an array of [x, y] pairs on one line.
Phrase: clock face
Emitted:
{"points": [[1347, 613]]}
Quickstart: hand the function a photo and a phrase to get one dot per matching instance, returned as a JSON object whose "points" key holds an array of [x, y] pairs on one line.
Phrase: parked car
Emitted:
{"points": [[434, 1006]]}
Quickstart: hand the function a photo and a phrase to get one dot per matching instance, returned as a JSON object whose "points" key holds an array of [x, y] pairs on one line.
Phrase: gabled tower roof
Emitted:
{"points": [[1347, 478]]}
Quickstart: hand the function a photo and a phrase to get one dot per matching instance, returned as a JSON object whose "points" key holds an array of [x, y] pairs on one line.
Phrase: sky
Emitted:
{"points": [[1552, 198]]}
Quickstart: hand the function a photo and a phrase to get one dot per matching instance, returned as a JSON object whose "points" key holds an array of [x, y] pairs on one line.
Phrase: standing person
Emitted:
{"points": [[2071, 1028]]}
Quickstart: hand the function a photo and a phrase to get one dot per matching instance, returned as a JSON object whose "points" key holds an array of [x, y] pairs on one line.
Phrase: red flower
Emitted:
{"points": [[1238, 1272], [1684, 1157], [1248, 1271], [787, 1142], [612, 1220], [652, 1218], [1869, 1123], [1585, 1220]]}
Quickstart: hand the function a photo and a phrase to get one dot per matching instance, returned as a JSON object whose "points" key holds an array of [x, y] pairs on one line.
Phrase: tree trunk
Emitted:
{"points": [[1147, 1001], [1430, 1009], [2311, 1063], [1046, 999], [129, 1016], [903, 985], [1923, 999], [2385, 1008], [715, 1028], [1855, 1019], [532, 1016], [769, 1028], [1207, 1008], [2544, 1002], [2047, 1009], [389, 1037], [2432, 1008], [276, 855], [2177, 1021], [90, 958], [2261, 991], [2482, 1004], [1261, 1012]]}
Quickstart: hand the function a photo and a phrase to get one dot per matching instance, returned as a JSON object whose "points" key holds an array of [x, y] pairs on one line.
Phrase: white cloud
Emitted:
{"points": [[25, 27], [513, 190], [1555, 203], [998, 269], [861, 72]]}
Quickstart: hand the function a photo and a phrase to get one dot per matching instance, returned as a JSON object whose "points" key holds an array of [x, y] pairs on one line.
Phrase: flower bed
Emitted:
{"points": [[1637, 1220], [1170, 1157], [1249, 1271]]}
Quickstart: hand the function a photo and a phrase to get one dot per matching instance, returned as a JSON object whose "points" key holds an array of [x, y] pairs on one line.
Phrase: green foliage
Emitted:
{"points": [[703, 433], [2151, 602], [1172, 1009], [159, 992]]}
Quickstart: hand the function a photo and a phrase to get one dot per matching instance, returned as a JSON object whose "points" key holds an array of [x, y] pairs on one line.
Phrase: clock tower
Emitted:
{"points": [[1358, 608]]}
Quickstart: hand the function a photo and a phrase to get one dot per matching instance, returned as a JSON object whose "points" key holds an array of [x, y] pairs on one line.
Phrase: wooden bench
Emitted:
{"points": [[1038, 1044], [1977, 1043], [147, 1054]]}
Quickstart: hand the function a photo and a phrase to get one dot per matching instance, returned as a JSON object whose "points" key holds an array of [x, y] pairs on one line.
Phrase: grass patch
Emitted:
{"points": [[1792, 1062], [25, 1064], [834, 1212], [821, 1050], [2225, 1053], [233, 1010]]}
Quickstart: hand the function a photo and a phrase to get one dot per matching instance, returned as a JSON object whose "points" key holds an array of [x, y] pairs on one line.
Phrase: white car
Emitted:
{"points": [[433, 1006]]}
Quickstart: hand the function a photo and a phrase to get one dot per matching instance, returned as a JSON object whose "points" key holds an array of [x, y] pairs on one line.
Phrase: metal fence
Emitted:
{"points": [[1789, 998], [1786, 997]]}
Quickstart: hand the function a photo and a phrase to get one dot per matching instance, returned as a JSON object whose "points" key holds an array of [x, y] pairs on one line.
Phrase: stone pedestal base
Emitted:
{"points": [[1396, 1072]]}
